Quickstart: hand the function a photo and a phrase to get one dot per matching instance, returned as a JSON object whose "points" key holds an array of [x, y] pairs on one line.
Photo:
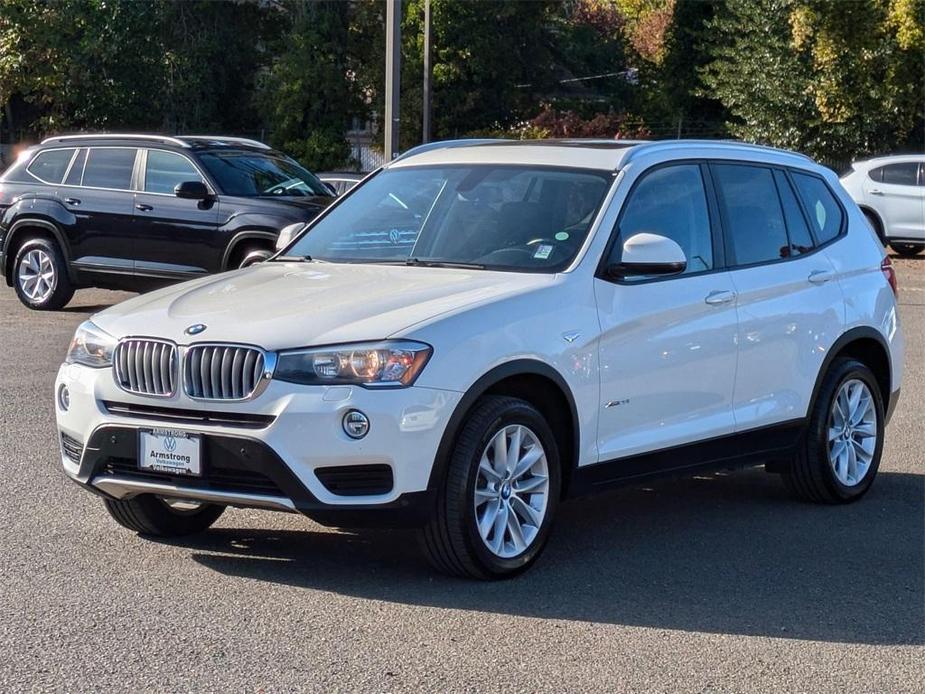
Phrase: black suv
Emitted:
{"points": [[139, 211]]}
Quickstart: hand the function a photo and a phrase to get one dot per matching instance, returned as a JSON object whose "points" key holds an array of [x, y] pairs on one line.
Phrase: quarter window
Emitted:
{"points": [[165, 170], [825, 215], [671, 201], [109, 167], [49, 166], [753, 215]]}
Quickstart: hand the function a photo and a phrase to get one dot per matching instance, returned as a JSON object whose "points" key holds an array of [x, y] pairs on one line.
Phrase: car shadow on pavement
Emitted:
{"points": [[725, 553]]}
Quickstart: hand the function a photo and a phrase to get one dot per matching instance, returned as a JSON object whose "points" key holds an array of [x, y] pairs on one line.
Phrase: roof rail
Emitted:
{"points": [[446, 144], [116, 136], [643, 148], [223, 138]]}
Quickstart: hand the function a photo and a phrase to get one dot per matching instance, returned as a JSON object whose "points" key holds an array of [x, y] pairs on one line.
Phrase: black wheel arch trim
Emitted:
{"points": [[16, 229], [243, 236], [516, 367], [846, 338]]}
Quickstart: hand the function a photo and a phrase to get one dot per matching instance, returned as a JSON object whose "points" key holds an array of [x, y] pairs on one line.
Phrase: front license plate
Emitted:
{"points": [[170, 451]]}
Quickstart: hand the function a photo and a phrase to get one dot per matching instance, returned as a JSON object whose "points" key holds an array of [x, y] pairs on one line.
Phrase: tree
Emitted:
{"points": [[829, 78]]}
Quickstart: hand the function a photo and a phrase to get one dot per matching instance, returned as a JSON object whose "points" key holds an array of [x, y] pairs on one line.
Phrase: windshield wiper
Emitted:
{"points": [[418, 262], [294, 259]]}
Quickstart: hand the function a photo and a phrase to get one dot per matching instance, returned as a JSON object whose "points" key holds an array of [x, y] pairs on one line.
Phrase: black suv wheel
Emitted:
{"points": [[40, 275]]}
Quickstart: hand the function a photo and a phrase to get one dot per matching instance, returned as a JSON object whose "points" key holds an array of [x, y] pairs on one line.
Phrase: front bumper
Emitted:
{"points": [[272, 452]]}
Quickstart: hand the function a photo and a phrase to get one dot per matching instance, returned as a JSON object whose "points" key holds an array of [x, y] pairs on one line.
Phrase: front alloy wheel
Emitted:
{"points": [[500, 492], [40, 275], [511, 491]]}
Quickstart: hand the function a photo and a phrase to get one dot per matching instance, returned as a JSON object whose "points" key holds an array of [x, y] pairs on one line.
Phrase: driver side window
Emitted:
{"points": [[670, 201]]}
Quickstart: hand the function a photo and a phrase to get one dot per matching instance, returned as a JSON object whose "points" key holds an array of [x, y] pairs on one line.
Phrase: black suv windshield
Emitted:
{"points": [[486, 216], [250, 174]]}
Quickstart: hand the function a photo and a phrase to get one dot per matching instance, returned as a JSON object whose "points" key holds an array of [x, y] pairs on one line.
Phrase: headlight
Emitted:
{"points": [[393, 363], [91, 347]]}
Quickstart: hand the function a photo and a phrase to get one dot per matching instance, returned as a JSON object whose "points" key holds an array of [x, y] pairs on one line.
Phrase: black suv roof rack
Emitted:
{"points": [[116, 136]]}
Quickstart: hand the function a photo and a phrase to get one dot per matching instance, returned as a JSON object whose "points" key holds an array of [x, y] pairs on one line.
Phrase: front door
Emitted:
{"points": [[668, 345], [176, 236]]}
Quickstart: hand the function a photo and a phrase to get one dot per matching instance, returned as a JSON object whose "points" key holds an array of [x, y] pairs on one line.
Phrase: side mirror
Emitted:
{"points": [[648, 254], [191, 190], [287, 233]]}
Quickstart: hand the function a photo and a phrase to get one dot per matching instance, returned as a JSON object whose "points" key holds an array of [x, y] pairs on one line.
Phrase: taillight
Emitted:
{"points": [[886, 267]]}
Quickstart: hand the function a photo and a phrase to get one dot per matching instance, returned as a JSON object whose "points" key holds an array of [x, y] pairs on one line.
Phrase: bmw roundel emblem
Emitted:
{"points": [[195, 329]]}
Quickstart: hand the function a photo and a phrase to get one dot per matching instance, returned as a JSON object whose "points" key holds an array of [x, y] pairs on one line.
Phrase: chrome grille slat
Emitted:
{"points": [[222, 371], [146, 366]]}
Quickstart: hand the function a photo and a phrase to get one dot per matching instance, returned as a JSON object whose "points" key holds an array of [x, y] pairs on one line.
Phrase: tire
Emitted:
{"points": [[248, 256], [451, 539], [150, 515], [811, 475], [40, 275], [908, 250]]}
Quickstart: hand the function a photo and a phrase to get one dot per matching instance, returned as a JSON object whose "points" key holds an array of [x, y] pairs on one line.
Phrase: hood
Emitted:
{"points": [[297, 206], [279, 305]]}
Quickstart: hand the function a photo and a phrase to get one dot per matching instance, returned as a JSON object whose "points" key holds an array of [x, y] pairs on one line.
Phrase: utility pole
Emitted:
{"points": [[428, 75], [392, 76]]}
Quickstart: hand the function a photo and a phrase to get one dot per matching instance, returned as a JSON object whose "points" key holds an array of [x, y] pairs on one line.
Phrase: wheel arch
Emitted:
{"points": [[528, 379], [868, 346], [879, 228], [19, 229], [242, 237]]}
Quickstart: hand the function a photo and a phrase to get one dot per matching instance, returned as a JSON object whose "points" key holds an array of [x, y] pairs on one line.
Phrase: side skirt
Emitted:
{"points": [[765, 444]]}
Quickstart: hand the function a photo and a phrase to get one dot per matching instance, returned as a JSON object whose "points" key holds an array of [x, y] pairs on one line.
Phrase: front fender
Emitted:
{"points": [[36, 211]]}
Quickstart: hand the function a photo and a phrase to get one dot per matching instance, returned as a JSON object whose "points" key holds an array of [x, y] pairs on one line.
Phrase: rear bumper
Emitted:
{"points": [[108, 467]]}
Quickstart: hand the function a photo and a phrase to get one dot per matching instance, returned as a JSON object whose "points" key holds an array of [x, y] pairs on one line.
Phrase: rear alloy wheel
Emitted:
{"points": [[908, 250], [495, 510], [163, 517], [839, 459], [40, 276]]}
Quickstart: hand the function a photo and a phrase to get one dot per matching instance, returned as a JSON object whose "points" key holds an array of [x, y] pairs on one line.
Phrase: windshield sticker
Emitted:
{"points": [[542, 251], [562, 236]]}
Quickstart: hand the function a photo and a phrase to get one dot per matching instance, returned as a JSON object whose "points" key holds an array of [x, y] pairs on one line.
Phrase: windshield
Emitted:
{"points": [[500, 217], [250, 174]]}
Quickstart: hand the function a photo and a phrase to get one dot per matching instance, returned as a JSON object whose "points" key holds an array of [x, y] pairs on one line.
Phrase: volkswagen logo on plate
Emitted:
{"points": [[195, 329], [170, 444]]}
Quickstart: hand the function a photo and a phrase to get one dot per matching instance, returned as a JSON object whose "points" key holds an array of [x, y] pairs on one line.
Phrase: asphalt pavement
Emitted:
{"points": [[719, 583]]}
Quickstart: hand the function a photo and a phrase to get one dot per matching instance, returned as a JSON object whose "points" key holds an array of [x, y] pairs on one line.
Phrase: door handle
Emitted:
{"points": [[144, 208], [876, 191], [722, 296], [820, 276], [72, 201]]}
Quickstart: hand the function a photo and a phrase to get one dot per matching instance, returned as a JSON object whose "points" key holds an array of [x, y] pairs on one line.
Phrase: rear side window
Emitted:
{"points": [[164, 171], [77, 169], [825, 215], [752, 212], [801, 241], [671, 201], [49, 166], [903, 174], [109, 167]]}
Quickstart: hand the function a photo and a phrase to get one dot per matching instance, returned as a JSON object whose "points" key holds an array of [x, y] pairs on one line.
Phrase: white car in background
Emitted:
{"points": [[891, 193], [480, 330]]}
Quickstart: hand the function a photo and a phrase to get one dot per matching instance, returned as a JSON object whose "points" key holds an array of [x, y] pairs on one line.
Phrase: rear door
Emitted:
{"points": [[895, 192], [176, 236], [790, 305], [100, 196]]}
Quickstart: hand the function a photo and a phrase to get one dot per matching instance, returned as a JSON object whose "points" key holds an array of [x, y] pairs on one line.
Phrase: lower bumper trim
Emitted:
{"points": [[124, 487]]}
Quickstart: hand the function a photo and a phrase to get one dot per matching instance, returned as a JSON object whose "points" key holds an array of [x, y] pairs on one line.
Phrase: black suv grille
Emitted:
{"points": [[215, 477], [356, 480], [71, 447]]}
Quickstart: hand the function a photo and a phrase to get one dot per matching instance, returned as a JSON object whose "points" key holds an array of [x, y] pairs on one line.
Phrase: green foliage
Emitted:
{"points": [[825, 77]]}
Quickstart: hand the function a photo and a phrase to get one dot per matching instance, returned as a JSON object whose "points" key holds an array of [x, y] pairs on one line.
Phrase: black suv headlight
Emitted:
{"points": [[390, 363]]}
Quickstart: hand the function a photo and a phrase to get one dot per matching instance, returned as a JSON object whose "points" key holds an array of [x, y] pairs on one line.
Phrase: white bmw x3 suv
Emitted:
{"points": [[483, 329]]}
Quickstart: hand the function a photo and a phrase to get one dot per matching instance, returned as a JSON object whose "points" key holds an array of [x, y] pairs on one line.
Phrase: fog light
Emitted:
{"points": [[356, 424], [64, 398]]}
